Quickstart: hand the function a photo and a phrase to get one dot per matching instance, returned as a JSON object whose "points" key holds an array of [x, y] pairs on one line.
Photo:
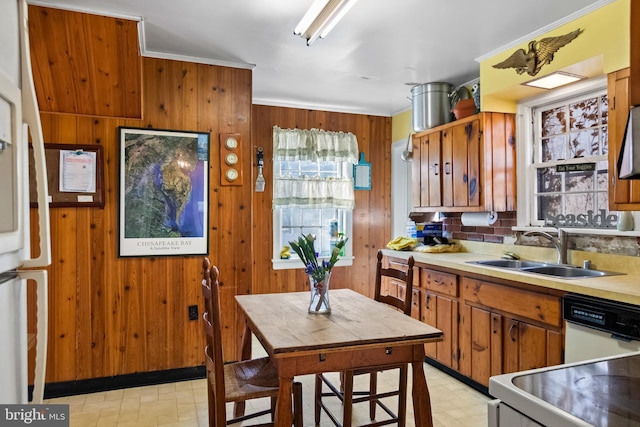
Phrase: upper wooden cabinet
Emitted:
{"points": [[466, 165], [634, 57], [623, 194], [623, 89], [85, 64]]}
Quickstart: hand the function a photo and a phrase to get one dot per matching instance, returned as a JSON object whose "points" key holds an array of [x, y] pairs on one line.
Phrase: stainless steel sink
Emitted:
{"points": [[510, 263], [561, 271], [568, 272]]}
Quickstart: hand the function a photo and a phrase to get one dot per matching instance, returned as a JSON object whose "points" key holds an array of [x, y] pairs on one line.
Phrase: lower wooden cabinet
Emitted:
{"points": [[442, 312], [488, 328], [506, 329]]}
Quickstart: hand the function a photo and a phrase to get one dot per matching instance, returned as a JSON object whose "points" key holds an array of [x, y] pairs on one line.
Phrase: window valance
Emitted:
{"points": [[313, 191], [314, 145]]}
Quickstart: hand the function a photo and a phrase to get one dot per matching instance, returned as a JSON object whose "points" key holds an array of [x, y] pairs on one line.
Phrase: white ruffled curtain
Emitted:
{"points": [[314, 191]]}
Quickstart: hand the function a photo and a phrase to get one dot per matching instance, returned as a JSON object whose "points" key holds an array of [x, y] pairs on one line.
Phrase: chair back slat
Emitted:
{"points": [[406, 278], [213, 350]]}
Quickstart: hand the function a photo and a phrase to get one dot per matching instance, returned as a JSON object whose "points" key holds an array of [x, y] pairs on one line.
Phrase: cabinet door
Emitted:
{"points": [[415, 299], [416, 172], [416, 302], [466, 164], [429, 316], [526, 346], [447, 322], [446, 156], [434, 163], [480, 343], [442, 312], [623, 194]]}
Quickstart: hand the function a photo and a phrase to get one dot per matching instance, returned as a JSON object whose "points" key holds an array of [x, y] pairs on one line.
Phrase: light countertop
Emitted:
{"points": [[622, 288]]}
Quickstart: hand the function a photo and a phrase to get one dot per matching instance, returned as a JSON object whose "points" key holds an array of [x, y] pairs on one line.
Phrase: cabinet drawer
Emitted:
{"points": [[401, 264], [438, 281], [520, 302]]}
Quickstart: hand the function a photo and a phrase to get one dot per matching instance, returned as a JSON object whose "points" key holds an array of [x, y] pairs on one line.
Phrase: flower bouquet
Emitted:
{"points": [[319, 273]]}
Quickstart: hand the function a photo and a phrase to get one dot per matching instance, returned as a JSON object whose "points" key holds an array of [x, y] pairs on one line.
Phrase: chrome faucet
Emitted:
{"points": [[560, 242]]}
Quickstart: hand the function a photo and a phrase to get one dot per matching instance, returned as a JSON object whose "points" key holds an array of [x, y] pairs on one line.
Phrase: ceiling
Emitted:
{"points": [[366, 65]]}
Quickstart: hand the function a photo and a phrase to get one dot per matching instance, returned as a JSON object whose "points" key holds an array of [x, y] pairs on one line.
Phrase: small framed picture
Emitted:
{"points": [[164, 192]]}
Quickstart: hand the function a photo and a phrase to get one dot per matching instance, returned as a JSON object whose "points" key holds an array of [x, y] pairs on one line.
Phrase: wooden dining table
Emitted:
{"points": [[358, 333]]}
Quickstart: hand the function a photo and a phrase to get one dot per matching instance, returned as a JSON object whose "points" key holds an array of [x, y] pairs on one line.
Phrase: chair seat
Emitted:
{"points": [[255, 378]]}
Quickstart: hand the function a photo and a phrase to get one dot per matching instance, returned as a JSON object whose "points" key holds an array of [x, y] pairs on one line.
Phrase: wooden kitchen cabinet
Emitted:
{"points": [[490, 326], [507, 329], [623, 194], [440, 309], [442, 312], [527, 346], [466, 165]]}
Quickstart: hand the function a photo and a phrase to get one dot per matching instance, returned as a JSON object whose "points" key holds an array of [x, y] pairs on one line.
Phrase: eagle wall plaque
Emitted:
{"points": [[540, 53]]}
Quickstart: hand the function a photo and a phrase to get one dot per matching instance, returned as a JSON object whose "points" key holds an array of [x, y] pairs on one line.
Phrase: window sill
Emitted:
{"points": [[612, 232], [292, 264]]}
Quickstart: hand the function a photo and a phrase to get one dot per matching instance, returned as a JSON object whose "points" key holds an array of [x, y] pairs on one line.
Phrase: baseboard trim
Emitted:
{"points": [[71, 388], [457, 375]]}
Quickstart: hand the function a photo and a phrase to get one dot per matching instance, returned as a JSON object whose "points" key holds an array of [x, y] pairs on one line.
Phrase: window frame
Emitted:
{"points": [[294, 262], [526, 154]]}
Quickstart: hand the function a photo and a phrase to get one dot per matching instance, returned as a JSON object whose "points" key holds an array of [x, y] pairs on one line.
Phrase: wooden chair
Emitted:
{"points": [[239, 381], [346, 394]]}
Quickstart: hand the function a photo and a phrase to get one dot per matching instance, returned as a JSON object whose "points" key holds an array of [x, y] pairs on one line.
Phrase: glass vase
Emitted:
{"points": [[319, 303]]}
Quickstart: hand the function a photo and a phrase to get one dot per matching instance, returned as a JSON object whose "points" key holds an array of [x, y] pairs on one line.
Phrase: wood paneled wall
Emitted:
{"points": [[112, 316], [371, 217], [89, 65]]}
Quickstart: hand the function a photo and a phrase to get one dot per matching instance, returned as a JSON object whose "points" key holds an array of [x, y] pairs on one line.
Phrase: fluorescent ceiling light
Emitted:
{"points": [[321, 17], [554, 80]]}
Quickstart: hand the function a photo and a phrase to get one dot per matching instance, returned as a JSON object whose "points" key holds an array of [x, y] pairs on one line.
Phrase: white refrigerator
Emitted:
{"points": [[19, 119]]}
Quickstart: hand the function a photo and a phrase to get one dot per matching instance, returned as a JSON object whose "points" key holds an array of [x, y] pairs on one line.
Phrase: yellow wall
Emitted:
{"points": [[401, 126], [603, 47]]}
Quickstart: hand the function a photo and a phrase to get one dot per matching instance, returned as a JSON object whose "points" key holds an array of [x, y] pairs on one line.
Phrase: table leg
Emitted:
{"points": [[420, 393], [284, 416]]}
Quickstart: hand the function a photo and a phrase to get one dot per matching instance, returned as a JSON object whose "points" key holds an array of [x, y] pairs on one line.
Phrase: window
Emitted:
{"points": [[566, 184], [311, 196]]}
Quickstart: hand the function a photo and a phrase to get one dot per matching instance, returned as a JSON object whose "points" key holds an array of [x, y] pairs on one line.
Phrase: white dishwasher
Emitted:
{"points": [[597, 327]]}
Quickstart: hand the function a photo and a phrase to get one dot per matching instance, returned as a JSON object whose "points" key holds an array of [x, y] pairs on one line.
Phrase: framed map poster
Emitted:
{"points": [[164, 192]]}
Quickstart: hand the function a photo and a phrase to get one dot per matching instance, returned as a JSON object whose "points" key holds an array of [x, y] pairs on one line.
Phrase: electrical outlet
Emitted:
{"points": [[193, 312]]}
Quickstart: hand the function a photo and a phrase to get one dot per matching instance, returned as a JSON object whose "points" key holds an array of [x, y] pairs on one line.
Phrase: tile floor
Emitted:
{"points": [[184, 404]]}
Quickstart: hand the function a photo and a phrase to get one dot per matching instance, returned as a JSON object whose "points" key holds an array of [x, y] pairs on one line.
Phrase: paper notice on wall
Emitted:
{"points": [[77, 171]]}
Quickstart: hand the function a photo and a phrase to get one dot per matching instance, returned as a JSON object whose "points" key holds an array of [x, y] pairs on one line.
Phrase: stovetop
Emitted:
{"points": [[603, 392]]}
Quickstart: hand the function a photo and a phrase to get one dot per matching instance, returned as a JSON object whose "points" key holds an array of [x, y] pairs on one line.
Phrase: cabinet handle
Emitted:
{"points": [[511, 328], [495, 324], [426, 301], [436, 169], [438, 282], [447, 168]]}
